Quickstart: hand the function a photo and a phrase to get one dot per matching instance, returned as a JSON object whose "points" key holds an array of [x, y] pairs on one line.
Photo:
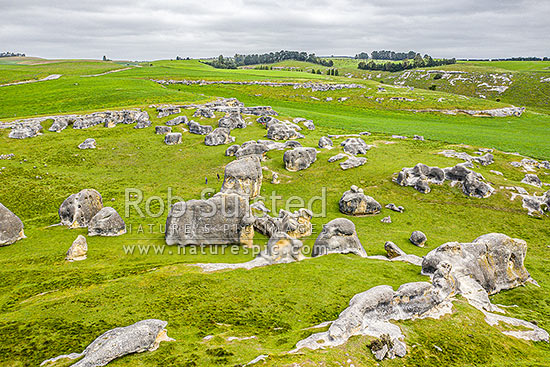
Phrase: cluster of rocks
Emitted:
{"points": [[11, 227], [489, 264], [531, 165], [497, 112], [85, 209], [28, 128], [7, 156], [219, 136], [421, 175], [536, 205], [294, 224], [483, 160], [532, 179], [355, 146], [145, 335], [315, 87], [207, 110]]}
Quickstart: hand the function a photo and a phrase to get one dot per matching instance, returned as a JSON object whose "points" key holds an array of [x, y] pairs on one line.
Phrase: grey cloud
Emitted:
{"points": [[139, 30]]}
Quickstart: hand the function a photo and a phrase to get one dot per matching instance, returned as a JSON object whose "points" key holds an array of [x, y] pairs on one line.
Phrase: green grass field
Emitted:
{"points": [[50, 307]]}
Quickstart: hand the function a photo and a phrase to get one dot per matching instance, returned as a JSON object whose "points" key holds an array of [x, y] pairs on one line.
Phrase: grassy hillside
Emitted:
{"points": [[50, 307]]}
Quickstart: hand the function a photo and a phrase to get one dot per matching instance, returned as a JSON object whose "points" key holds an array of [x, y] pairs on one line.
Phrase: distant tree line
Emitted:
{"points": [[182, 58], [11, 54], [268, 58], [417, 61]]}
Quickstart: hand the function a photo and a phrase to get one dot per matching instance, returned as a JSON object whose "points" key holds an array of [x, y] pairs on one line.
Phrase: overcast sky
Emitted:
{"points": [[147, 30]]}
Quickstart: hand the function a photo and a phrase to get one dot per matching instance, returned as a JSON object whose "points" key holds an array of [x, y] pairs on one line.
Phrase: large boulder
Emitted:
{"points": [[244, 177], [78, 250], [298, 159], [78, 209], [107, 222], [418, 238], [87, 144], [471, 182], [22, 131], [495, 261], [11, 227], [172, 139], [251, 148], [338, 236], [325, 142], [230, 152], [532, 179], [177, 120], [145, 335], [220, 136], [163, 130], [419, 176], [296, 224], [355, 202], [232, 120], [355, 146], [59, 124], [281, 249], [221, 219], [196, 128], [353, 162], [204, 112], [280, 131]]}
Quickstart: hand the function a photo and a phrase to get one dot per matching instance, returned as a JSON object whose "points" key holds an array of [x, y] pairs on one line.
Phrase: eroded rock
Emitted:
{"points": [[78, 209], [296, 224], [299, 159], [219, 136], [355, 202], [355, 146], [338, 236], [78, 250], [11, 227], [325, 143], [196, 128], [244, 177], [87, 144], [172, 138], [353, 162], [107, 222], [418, 238]]}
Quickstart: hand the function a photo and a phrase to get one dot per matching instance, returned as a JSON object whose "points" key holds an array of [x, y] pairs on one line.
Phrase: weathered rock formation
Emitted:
{"points": [[243, 177], [325, 142], [418, 238], [78, 209], [107, 222], [338, 236], [355, 202], [395, 208], [420, 176], [78, 249], [280, 131], [196, 128], [299, 159], [355, 146], [532, 179], [87, 144], [221, 219], [204, 112], [353, 162], [232, 120], [23, 131], [145, 335], [220, 136], [483, 160], [172, 138], [296, 225], [177, 120], [11, 227], [163, 130]]}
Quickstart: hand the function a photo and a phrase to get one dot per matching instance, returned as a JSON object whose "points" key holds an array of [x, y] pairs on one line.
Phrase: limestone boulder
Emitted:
{"points": [[279, 131], [393, 250], [196, 128], [11, 227], [353, 162], [355, 146], [494, 260], [295, 224], [145, 335], [281, 249], [163, 130], [532, 179], [78, 209], [299, 159], [338, 236], [220, 136], [355, 202], [107, 222], [177, 120], [87, 144], [221, 219], [59, 124], [232, 120], [22, 131], [325, 142], [252, 148], [309, 124], [204, 112], [418, 238], [172, 138], [78, 250], [230, 152], [338, 157], [243, 177]]}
